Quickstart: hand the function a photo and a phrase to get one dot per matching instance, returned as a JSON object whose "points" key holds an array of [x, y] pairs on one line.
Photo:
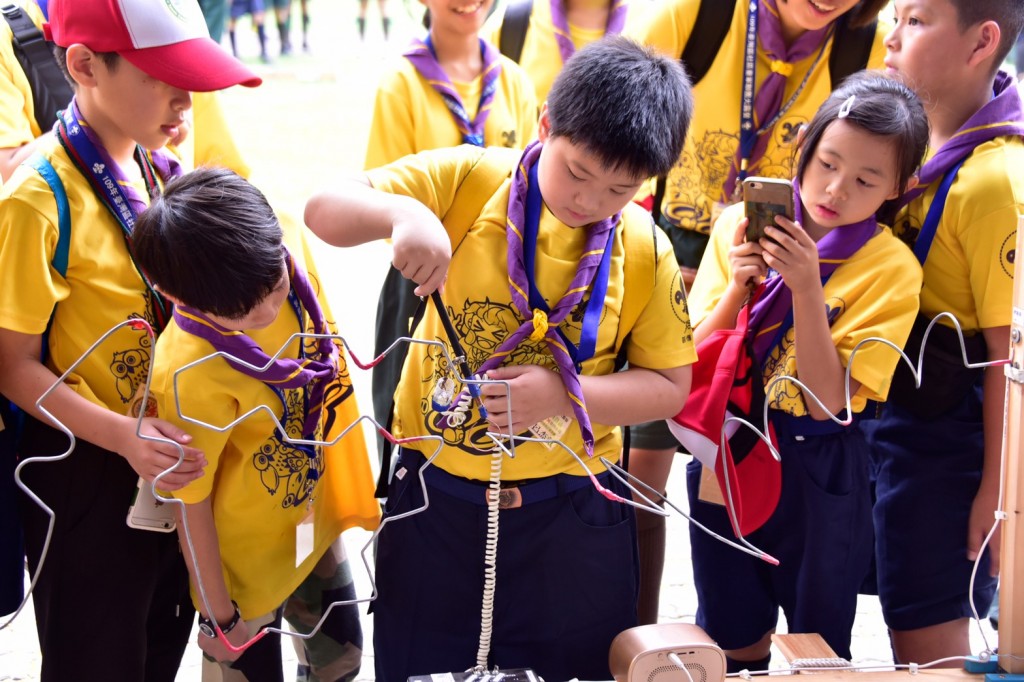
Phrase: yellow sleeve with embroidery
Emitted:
{"points": [[409, 116]]}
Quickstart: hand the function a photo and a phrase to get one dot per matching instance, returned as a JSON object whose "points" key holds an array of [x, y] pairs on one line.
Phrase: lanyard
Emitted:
{"points": [[592, 314], [748, 133], [923, 243]]}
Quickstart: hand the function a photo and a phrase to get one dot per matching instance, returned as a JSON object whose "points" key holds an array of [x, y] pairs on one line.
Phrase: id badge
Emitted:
{"points": [[304, 538], [552, 428]]}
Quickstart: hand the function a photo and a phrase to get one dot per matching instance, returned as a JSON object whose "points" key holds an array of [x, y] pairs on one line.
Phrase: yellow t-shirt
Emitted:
{"points": [[874, 293], [969, 268], [409, 116], [479, 304], [102, 287], [541, 57], [694, 185], [17, 115], [262, 487]]}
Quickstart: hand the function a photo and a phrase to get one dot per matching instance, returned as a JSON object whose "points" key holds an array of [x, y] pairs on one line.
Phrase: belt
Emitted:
{"points": [[513, 494]]}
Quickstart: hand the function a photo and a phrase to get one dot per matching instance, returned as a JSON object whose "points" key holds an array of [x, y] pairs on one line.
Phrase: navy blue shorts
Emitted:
{"points": [[926, 474], [239, 8], [566, 580], [820, 533]]}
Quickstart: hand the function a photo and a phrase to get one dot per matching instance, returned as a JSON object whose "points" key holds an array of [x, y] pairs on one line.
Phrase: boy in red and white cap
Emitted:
{"points": [[111, 602]]}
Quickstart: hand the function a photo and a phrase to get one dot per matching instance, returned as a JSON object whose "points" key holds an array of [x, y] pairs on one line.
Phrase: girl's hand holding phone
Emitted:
{"points": [[791, 252], [746, 261]]}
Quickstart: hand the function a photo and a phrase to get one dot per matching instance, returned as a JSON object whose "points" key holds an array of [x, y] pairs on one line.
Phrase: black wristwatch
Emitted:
{"points": [[208, 627]]}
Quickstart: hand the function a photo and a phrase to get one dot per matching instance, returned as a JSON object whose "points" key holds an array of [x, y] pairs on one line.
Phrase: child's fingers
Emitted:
{"points": [[740, 235]]}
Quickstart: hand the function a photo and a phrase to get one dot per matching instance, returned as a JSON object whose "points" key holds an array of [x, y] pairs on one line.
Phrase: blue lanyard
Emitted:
{"points": [[748, 134], [592, 314], [923, 243]]}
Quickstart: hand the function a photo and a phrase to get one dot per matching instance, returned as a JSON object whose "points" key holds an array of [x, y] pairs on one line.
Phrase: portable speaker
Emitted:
{"points": [[641, 654]]}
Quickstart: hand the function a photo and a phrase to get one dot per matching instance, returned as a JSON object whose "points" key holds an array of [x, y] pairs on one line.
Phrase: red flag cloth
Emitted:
{"points": [[727, 383]]}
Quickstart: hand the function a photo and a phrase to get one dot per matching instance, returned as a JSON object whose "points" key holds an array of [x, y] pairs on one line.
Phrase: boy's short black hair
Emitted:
{"points": [[1009, 14], [211, 241], [881, 106], [625, 104], [110, 60]]}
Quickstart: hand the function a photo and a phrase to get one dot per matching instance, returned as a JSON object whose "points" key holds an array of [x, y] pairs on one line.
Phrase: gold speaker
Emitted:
{"points": [[642, 654]]}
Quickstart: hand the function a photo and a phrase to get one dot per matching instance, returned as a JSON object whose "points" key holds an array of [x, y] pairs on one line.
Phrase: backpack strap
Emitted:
{"points": [[512, 34], [851, 48], [711, 27], [494, 166], [60, 255], [50, 90]]}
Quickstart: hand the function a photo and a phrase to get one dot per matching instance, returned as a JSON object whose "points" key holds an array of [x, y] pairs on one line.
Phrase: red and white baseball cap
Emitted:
{"points": [[166, 39]]}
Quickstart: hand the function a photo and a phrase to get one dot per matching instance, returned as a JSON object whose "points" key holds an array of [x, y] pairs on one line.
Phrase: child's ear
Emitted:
{"points": [[911, 184], [544, 124], [987, 37], [81, 63]]}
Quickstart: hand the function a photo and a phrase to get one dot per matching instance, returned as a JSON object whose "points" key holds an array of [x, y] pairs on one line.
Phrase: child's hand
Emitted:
{"points": [[215, 649], [537, 393], [746, 260], [149, 458], [794, 255], [422, 249]]}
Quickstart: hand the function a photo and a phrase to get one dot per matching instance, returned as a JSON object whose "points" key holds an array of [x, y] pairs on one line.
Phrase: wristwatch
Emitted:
{"points": [[209, 628]]}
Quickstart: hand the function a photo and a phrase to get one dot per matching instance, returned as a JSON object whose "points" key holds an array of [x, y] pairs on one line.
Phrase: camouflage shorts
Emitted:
{"points": [[333, 654]]}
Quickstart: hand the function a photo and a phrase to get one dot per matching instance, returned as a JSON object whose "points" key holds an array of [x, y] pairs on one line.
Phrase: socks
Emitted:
{"points": [[361, 23], [286, 42], [262, 33], [234, 47], [650, 529], [385, 22], [305, 31]]}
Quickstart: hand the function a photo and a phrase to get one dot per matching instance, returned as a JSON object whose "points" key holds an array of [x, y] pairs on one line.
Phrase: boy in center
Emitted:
{"points": [[557, 273]]}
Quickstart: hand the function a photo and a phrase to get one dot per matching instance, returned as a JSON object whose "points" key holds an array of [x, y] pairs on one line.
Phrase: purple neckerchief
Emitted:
{"points": [[768, 99], [560, 19], [283, 372], [771, 310], [421, 55], [89, 151], [537, 326], [1001, 115]]}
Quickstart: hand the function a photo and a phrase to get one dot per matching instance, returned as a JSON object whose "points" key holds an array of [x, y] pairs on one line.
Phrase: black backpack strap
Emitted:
{"points": [[708, 34], [851, 49], [50, 90], [513, 29]]}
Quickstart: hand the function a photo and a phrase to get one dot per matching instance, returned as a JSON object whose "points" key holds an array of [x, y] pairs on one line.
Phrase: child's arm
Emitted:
{"points": [[997, 339], [746, 264], [23, 378], [207, 555], [632, 396], [818, 366], [354, 213]]}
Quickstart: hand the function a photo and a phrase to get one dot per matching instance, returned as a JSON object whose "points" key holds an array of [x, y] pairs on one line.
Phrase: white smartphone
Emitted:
{"points": [[147, 512]]}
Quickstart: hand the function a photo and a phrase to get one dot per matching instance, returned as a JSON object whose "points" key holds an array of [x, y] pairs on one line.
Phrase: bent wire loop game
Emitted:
{"points": [[504, 445]]}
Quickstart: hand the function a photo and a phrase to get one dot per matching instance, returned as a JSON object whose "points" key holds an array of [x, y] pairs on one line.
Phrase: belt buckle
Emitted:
{"points": [[508, 498]]}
